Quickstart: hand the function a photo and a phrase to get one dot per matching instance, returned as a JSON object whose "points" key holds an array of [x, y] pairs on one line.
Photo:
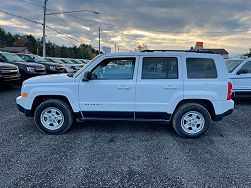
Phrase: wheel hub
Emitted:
{"points": [[52, 118], [192, 122]]}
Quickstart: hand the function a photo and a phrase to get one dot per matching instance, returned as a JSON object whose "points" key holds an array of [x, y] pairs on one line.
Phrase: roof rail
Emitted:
{"points": [[195, 51]]}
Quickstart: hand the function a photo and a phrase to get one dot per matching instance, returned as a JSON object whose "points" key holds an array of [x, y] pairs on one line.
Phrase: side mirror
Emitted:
{"points": [[242, 71], [87, 76]]}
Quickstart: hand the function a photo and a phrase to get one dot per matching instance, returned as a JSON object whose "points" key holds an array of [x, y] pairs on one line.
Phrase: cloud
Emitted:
{"points": [[161, 24]]}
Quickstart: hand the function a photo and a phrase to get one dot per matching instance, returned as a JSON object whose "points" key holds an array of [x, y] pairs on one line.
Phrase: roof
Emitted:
{"points": [[161, 53], [13, 49], [217, 51]]}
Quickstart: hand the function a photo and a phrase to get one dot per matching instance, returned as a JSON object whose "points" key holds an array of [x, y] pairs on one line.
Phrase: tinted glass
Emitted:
{"points": [[246, 68], [160, 68], [112, 69], [232, 64], [26, 58], [12, 57], [201, 68]]}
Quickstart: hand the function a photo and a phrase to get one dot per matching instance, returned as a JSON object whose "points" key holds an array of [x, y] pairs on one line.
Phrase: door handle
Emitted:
{"points": [[170, 87], [124, 87]]}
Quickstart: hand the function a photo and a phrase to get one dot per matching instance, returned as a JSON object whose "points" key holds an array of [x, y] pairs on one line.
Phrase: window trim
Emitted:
{"points": [[160, 78], [116, 58], [217, 75]]}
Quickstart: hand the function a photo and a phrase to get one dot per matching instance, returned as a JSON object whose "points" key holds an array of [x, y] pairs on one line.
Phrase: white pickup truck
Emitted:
{"points": [[188, 89], [240, 75]]}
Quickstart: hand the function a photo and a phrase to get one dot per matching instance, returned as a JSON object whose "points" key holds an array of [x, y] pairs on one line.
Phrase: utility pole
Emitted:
{"points": [[99, 42], [44, 42]]}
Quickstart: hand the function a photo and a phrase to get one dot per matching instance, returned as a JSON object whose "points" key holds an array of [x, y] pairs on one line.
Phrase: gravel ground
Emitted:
{"points": [[122, 154]]}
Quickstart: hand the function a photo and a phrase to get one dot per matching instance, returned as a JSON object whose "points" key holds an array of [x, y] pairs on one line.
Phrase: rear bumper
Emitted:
{"points": [[221, 116]]}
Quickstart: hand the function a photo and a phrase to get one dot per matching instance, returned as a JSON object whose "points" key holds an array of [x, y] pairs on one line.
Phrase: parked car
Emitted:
{"points": [[240, 75], [84, 61], [190, 90], [69, 68], [51, 68], [75, 61], [26, 69], [9, 74], [75, 66]]}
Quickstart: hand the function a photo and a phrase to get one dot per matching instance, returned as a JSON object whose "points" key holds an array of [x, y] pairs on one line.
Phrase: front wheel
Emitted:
{"points": [[53, 117], [191, 120]]}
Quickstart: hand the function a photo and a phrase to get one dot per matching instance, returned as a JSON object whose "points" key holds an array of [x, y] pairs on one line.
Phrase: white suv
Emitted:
{"points": [[240, 75], [188, 89]]}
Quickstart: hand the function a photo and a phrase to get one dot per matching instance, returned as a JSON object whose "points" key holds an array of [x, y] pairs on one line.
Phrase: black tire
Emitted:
{"points": [[185, 109], [60, 105]]}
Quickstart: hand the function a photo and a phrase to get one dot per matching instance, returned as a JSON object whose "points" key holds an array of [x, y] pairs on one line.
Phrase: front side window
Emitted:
{"points": [[201, 68], [160, 68], [246, 69], [114, 69]]}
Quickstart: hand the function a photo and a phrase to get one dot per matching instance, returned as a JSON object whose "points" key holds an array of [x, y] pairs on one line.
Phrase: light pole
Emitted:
{"points": [[44, 42], [99, 39], [54, 13]]}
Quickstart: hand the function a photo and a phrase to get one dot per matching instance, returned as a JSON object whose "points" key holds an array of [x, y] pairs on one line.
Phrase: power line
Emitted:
{"points": [[37, 5], [140, 27], [51, 11], [39, 23]]}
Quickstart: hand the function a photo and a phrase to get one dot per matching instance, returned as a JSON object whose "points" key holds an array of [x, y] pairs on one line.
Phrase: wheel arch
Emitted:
{"points": [[41, 98], [204, 102]]}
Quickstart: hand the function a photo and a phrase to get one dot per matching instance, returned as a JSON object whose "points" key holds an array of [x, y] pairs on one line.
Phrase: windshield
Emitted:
{"points": [[75, 61], [37, 58], [86, 65], [67, 61], [12, 57], [53, 60], [233, 64]]}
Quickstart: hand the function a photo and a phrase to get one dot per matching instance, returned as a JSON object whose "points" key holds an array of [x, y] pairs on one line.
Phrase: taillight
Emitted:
{"points": [[229, 92]]}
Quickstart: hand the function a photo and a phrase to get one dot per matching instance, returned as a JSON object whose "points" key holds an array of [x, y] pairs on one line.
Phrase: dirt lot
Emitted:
{"points": [[122, 154]]}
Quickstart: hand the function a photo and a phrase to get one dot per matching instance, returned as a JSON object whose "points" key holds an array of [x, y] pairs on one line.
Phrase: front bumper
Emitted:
{"points": [[10, 79], [27, 113]]}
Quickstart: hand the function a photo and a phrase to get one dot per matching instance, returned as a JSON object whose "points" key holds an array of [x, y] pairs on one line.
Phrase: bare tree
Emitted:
{"points": [[141, 47]]}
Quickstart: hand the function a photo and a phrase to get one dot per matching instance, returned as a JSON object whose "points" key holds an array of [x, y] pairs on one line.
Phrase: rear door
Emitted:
{"points": [[159, 86]]}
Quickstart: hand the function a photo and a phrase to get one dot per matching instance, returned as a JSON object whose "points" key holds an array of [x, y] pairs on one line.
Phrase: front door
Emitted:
{"points": [[242, 81], [111, 91]]}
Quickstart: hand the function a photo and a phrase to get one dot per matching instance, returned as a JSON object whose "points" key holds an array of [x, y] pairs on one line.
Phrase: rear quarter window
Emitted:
{"points": [[201, 68]]}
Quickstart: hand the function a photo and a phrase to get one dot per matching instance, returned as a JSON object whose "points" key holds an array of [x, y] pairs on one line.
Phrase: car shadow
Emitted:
{"points": [[243, 101], [124, 127]]}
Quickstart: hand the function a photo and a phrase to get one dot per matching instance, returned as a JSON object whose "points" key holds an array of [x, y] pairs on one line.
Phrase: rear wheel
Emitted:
{"points": [[53, 117], [191, 120]]}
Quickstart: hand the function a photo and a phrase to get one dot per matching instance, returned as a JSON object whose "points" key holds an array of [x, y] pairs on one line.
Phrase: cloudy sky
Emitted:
{"points": [[161, 24]]}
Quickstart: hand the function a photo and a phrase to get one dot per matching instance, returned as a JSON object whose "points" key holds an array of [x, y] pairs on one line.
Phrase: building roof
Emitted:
{"points": [[13, 49], [217, 51]]}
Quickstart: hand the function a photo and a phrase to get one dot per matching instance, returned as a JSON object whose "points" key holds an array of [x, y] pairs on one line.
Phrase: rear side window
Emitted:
{"points": [[201, 68], [160, 68]]}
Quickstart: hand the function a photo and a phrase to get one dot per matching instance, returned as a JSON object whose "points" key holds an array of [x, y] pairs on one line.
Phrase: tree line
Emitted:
{"points": [[34, 45]]}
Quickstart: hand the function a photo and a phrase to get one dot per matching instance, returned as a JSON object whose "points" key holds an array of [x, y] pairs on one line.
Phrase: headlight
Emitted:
{"points": [[53, 68], [31, 69]]}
